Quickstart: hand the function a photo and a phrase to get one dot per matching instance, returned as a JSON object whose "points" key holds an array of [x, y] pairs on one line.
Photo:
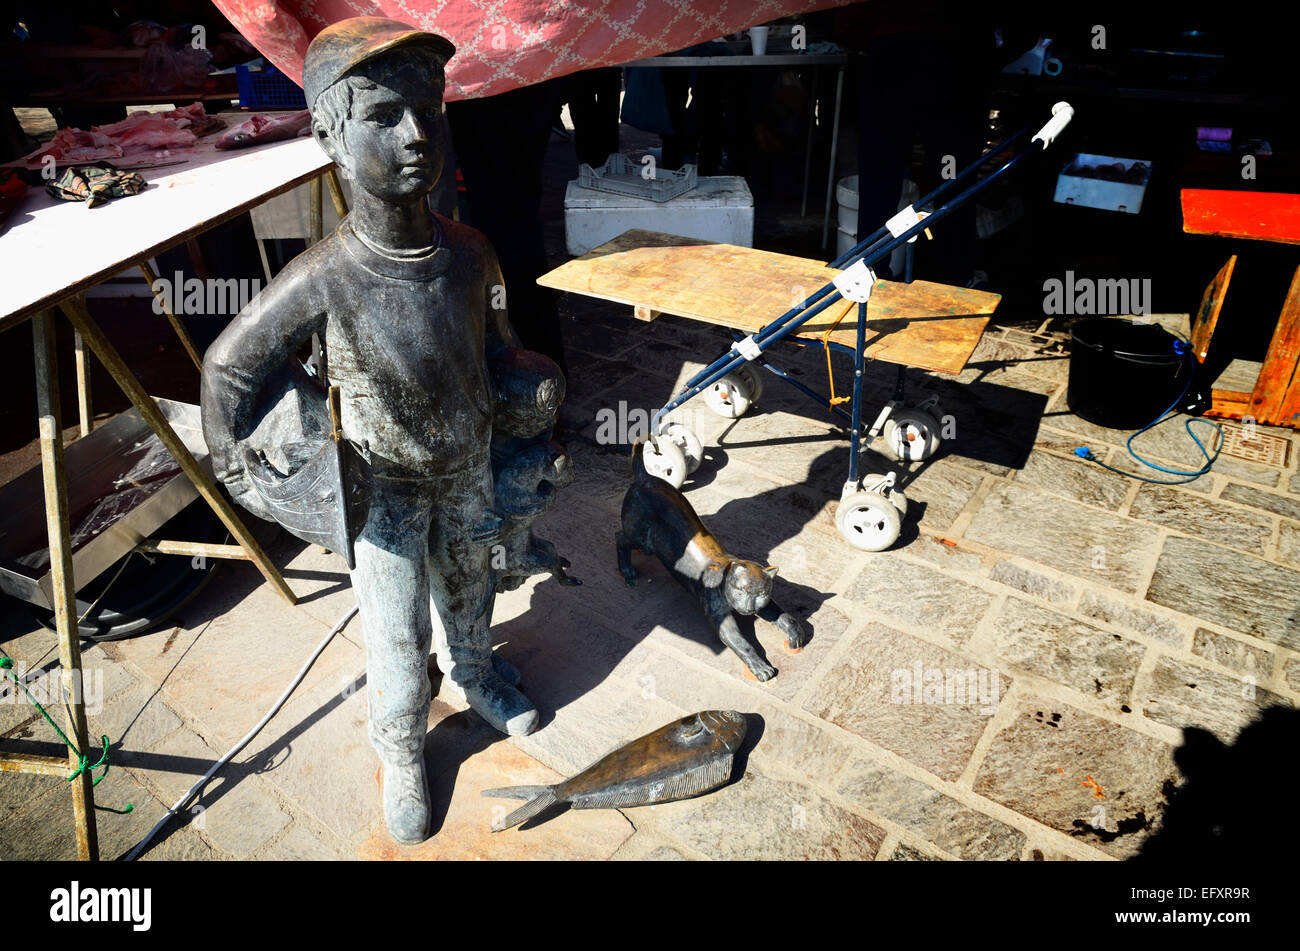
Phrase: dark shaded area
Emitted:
{"points": [[1229, 806]]}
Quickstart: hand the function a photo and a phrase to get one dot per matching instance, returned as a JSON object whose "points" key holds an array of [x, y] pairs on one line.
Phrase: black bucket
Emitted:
{"points": [[1123, 374]]}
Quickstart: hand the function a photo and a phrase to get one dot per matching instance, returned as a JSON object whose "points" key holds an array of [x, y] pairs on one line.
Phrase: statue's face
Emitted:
{"points": [[392, 145]]}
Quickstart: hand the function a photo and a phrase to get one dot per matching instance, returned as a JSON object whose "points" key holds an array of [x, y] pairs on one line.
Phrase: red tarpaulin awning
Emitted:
{"points": [[505, 44]]}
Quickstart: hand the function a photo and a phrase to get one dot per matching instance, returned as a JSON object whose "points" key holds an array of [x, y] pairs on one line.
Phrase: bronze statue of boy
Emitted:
{"points": [[410, 306]]}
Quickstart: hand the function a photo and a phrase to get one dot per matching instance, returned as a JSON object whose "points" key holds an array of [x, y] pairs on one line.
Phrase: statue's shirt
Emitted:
{"points": [[406, 341]]}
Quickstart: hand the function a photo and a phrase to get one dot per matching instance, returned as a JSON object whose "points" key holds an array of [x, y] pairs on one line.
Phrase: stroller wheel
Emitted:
{"points": [[730, 397], [911, 435], [896, 497], [688, 443], [667, 463], [868, 521], [751, 373]]}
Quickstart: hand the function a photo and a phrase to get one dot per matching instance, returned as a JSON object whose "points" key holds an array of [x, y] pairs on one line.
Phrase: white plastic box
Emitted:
{"points": [[719, 208], [1080, 189]]}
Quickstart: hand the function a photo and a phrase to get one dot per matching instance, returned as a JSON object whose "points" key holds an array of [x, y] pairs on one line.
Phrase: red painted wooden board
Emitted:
{"points": [[1267, 216]]}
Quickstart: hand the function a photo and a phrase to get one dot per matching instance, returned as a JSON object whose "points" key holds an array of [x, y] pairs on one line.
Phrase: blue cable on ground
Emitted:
{"points": [[1084, 452]]}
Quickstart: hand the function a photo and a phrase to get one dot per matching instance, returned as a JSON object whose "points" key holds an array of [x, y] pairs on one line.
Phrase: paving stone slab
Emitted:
{"points": [[226, 697], [305, 841], [1038, 764], [1064, 443], [760, 817], [107, 677], [171, 766], [667, 677], [1121, 614], [1244, 470], [1230, 589], [1032, 582], [316, 754], [1121, 459], [935, 817], [18, 791], [1182, 694], [137, 720], [806, 749], [1074, 479], [238, 816], [180, 845], [945, 487], [1049, 855], [1288, 544], [946, 554], [1185, 512], [595, 723], [1268, 501], [1069, 652], [321, 581], [598, 338], [464, 832], [1291, 673], [872, 693], [1065, 535], [1167, 443], [920, 595], [906, 853], [1229, 652], [644, 846]]}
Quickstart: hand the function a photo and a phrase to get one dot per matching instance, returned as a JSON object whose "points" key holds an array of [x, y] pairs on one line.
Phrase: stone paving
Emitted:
{"points": [[1013, 680]]}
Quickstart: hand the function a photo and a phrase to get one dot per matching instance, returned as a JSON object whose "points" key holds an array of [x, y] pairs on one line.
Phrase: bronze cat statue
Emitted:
{"points": [[658, 520]]}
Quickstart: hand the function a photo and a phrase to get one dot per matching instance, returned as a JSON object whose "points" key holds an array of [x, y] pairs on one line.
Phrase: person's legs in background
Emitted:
{"points": [[593, 96]]}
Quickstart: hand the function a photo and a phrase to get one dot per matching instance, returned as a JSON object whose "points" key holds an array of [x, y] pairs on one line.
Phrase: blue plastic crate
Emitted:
{"points": [[268, 88]]}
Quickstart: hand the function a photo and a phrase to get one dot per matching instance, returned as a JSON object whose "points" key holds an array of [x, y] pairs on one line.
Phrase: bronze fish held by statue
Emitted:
{"points": [[677, 761]]}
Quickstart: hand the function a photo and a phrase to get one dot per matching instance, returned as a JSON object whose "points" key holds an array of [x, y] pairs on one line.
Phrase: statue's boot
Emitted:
{"points": [[407, 803], [506, 670], [486, 681]]}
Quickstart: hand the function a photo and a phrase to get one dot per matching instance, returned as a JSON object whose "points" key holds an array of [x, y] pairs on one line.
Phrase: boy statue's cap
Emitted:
{"points": [[345, 45]]}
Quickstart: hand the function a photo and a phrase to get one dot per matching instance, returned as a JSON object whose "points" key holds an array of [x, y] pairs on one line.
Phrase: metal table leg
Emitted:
{"points": [[807, 155], [835, 147]]}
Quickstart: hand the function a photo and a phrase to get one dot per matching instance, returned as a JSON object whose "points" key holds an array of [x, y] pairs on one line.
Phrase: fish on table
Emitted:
{"points": [[261, 128], [686, 758]]}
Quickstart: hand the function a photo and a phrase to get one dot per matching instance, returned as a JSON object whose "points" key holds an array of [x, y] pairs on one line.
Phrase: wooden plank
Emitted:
{"points": [[85, 413], [1263, 216], [193, 549], [336, 193], [34, 763], [1227, 404], [152, 415], [1207, 315], [1280, 363], [63, 586], [926, 325], [1290, 413]]}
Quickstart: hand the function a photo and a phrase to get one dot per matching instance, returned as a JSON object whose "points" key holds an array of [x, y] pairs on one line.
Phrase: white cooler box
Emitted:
{"points": [[718, 209]]}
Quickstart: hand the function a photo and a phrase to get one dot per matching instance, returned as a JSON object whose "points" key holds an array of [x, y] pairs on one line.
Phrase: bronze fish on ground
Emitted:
{"points": [[677, 761]]}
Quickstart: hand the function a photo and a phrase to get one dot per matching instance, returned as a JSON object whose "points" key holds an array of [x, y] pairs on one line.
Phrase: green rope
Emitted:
{"points": [[83, 762]]}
